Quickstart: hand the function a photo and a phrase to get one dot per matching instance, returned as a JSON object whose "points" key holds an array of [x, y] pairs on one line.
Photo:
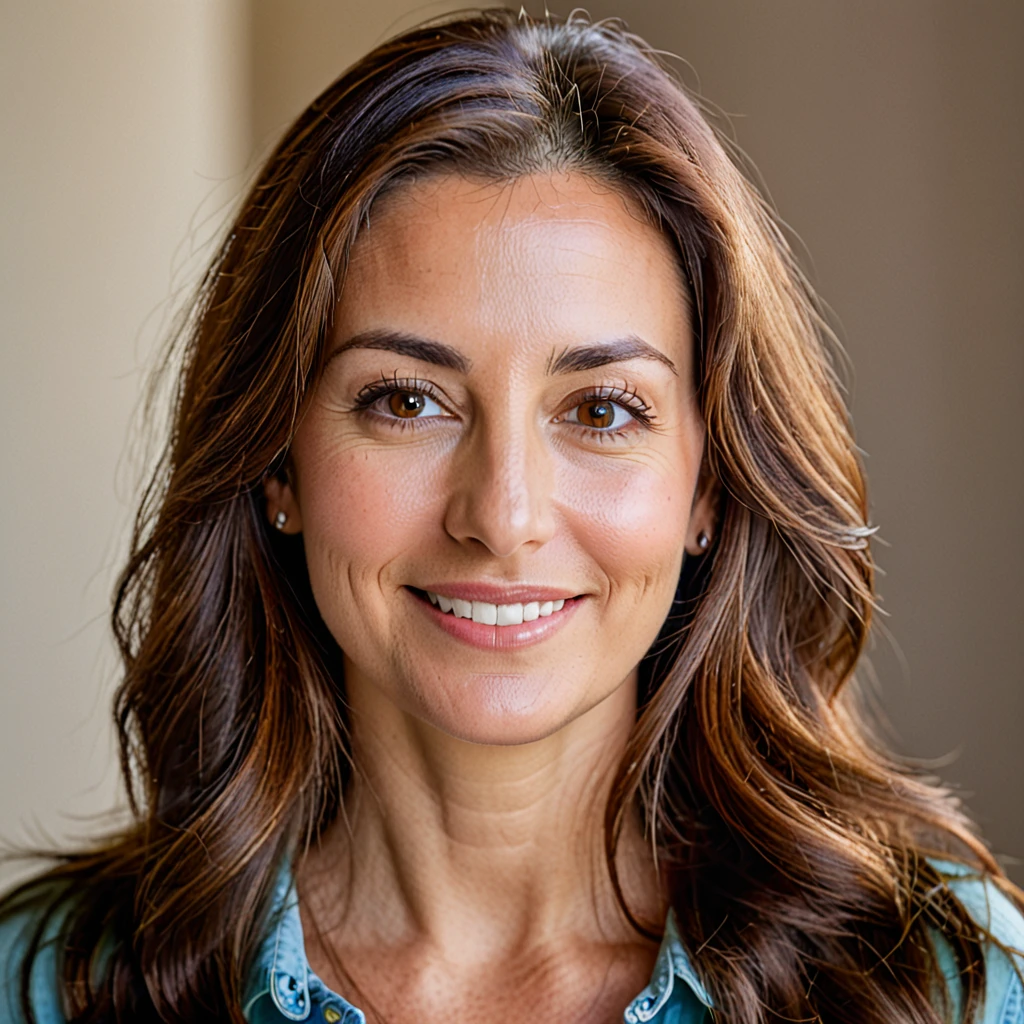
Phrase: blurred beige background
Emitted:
{"points": [[891, 140]]}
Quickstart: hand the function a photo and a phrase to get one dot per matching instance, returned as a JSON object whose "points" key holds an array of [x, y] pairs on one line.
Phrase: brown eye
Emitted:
{"points": [[407, 404], [599, 414]]}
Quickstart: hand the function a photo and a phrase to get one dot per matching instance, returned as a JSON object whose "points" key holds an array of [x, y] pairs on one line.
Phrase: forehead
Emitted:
{"points": [[544, 260]]}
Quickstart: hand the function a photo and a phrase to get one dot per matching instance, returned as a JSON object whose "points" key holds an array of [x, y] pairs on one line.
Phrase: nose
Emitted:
{"points": [[501, 488]]}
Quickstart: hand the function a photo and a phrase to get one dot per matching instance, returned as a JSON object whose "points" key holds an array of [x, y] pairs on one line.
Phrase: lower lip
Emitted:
{"points": [[501, 638]]}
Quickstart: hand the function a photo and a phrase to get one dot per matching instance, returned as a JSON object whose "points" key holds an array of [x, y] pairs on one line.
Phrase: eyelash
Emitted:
{"points": [[626, 397], [371, 394]]}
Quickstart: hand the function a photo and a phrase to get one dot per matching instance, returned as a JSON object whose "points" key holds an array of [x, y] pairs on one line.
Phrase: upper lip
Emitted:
{"points": [[506, 593]]}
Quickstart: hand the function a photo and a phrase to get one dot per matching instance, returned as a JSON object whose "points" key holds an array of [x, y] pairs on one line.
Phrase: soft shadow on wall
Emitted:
{"points": [[123, 130]]}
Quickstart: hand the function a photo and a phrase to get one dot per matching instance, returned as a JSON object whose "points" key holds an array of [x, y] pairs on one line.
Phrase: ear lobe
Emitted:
{"points": [[700, 532], [282, 508]]}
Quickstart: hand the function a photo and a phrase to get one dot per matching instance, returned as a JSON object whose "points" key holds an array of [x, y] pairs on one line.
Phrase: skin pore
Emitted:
{"points": [[508, 412]]}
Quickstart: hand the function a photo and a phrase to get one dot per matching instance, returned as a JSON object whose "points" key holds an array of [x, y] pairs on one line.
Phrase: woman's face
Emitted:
{"points": [[507, 421]]}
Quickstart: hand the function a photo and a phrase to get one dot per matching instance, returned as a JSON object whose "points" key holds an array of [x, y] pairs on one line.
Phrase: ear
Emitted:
{"points": [[703, 513], [283, 511]]}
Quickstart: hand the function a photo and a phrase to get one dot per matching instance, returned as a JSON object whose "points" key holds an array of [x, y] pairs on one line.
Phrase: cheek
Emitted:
{"points": [[362, 508], [631, 518]]}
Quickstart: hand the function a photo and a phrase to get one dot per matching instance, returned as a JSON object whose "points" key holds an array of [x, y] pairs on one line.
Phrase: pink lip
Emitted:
{"points": [[502, 638], [515, 593]]}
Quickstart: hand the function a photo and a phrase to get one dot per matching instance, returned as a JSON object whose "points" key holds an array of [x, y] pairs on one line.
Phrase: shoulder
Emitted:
{"points": [[31, 929], [1002, 921]]}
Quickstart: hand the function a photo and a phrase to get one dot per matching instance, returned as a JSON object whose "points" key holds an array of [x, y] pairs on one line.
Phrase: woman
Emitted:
{"points": [[487, 629]]}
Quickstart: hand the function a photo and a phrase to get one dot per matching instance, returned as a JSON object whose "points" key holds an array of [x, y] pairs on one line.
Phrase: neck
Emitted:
{"points": [[478, 852]]}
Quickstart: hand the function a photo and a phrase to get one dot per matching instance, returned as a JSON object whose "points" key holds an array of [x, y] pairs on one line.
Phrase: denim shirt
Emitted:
{"points": [[283, 988]]}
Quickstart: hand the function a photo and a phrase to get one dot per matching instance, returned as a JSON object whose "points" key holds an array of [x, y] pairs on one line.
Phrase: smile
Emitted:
{"points": [[502, 617], [488, 614]]}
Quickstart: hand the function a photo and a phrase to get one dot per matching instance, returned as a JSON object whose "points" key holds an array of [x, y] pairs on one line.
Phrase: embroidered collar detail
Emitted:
{"points": [[281, 971], [673, 962]]}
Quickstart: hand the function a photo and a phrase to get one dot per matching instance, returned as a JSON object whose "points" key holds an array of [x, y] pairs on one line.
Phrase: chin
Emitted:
{"points": [[501, 709]]}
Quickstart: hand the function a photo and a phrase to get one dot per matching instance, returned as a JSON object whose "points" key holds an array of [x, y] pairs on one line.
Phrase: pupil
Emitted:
{"points": [[600, 414], [406, 403]]}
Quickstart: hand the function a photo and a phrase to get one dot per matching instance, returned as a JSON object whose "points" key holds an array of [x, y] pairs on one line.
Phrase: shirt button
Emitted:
{"points": [[332, 1015]]}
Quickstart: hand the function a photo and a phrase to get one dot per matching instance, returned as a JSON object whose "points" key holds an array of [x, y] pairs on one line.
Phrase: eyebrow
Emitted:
{"points": [[436, 352], [588, 357], [569, 360]]}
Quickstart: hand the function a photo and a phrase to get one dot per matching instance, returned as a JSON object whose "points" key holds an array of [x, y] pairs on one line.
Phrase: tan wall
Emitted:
{"points": [[120, 121], [891, 140], [300, 47]]}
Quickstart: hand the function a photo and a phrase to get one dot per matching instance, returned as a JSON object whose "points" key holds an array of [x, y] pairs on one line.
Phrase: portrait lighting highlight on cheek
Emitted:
{"points": [[496, 475]]}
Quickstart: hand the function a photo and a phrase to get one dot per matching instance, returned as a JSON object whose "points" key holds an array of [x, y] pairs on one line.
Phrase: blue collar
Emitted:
{"points": [[281, 970]]}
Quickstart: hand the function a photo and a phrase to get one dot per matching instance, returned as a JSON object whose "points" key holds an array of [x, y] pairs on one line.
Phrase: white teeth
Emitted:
{"points": [[495, 614], [485, 612], [510, 614]]}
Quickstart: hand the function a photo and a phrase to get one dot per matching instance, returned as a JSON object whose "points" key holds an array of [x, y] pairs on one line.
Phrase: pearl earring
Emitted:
{"points": [[703, 540], [280, 519]]}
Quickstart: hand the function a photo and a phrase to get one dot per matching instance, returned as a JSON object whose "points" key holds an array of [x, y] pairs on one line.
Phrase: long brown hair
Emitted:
{"points": [[795, 854]]}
